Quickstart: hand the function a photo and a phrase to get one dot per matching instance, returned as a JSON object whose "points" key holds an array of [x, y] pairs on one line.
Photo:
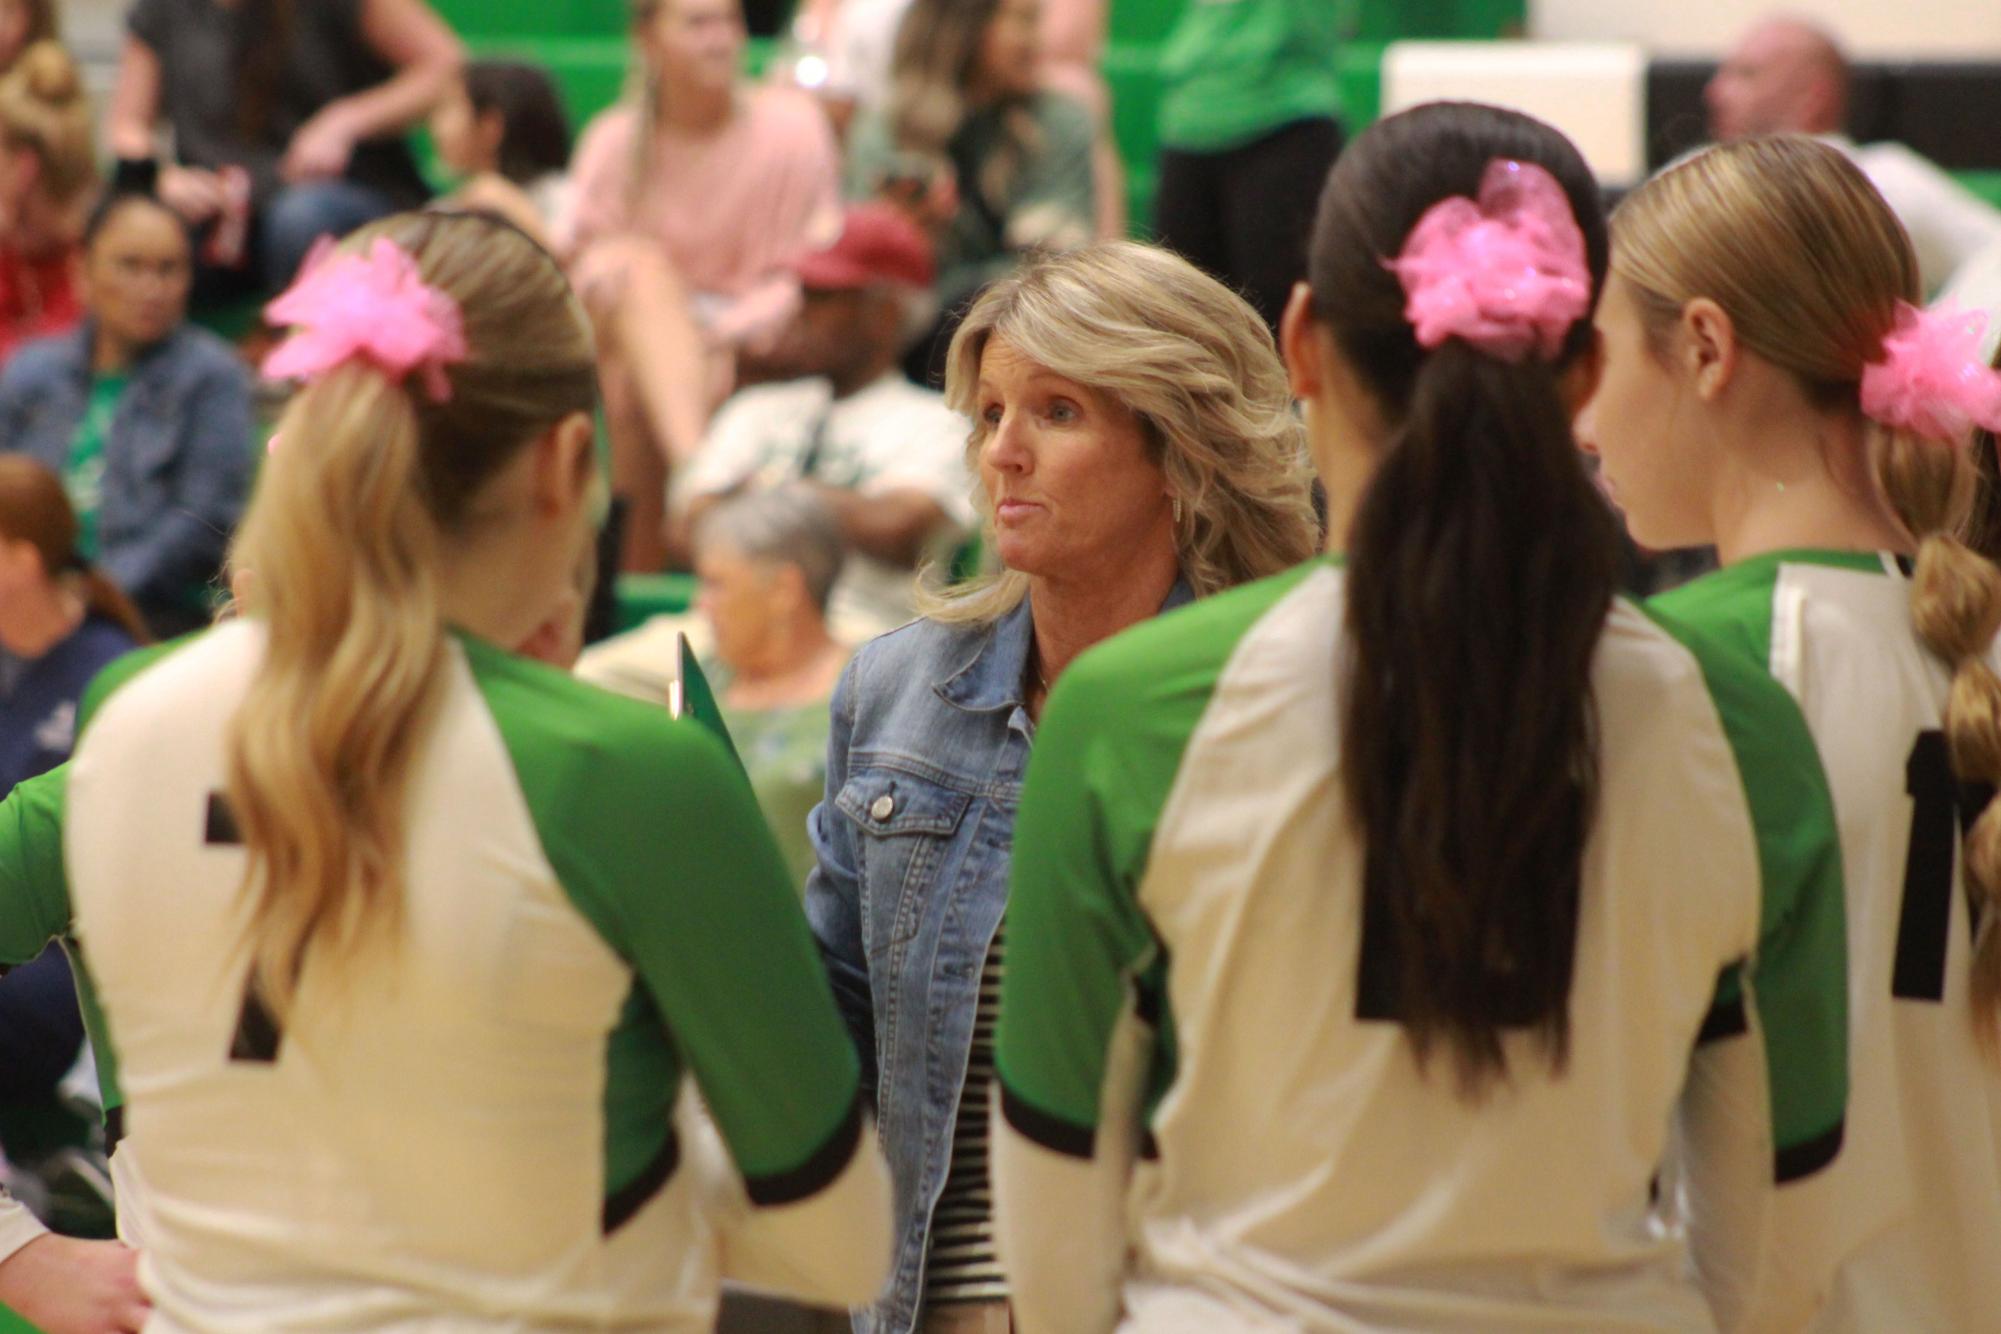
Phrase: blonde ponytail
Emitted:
{"points": [[1956, 610], [343, 540]]}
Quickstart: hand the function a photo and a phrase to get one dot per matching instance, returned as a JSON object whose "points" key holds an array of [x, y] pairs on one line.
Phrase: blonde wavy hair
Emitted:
{"points": [[1195, 364], [1799, 249], [343, 540]]}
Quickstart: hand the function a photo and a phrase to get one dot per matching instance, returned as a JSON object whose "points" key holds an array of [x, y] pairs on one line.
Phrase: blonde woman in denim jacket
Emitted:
{"points": [[1136, 448]]}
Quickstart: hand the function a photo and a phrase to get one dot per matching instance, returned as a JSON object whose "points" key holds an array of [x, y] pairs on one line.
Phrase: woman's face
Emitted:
{"points": [[696, 44], [1073, 487], [1644, 427], [467, 143], [741, 598], [136, 275], [1011, 50]]}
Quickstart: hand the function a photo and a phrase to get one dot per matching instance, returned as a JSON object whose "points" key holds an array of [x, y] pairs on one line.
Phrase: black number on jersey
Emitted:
{"points": [[257, 1034], [1942, 810]]}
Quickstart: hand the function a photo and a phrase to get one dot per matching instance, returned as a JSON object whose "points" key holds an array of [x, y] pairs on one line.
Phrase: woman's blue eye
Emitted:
{"points": [[991, 415], [1062, 412]]}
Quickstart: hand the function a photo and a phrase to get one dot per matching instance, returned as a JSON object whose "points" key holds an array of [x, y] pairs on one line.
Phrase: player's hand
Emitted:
{"points": [[194, 193], [320, 148], [65, 1286]]}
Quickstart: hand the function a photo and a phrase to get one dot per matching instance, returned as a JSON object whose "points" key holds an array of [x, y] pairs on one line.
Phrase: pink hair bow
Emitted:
{"points": [[1505, 272], [1932, 381], [374, 306]]}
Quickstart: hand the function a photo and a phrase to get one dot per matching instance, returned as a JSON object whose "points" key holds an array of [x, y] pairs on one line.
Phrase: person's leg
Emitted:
{"points": [[1188, 211], [41, 1030], [1270, 191], [300, 215]]}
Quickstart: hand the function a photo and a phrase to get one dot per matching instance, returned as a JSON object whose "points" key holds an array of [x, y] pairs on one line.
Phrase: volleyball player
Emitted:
{"points": [[409, 950], [1364, 921], [1771, 389]]}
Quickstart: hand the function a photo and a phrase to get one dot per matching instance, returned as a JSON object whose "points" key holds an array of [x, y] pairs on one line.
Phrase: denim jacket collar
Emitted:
{"points": [[83, 351], [992, 678]]}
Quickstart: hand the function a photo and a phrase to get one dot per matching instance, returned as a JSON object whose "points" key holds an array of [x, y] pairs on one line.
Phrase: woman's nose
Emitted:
{"points": [[1007, 447]]}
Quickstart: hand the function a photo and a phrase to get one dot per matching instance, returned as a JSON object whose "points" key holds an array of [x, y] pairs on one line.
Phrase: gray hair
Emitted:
{"points": [[788, 525]]}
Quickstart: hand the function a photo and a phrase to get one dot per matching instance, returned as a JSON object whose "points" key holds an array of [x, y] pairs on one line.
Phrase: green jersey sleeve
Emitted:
{"points": [[651, 826], [1796, 984], [34, 888], [1083, 962]]}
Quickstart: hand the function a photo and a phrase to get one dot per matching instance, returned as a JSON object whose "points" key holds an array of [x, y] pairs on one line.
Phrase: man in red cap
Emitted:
{"points": [[886, 455]]}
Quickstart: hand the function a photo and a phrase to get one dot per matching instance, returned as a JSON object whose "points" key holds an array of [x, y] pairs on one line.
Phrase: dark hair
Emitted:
{"points": [[1482, 562], [1983, 523], [116, 202], [35, 509], [535, 132]]}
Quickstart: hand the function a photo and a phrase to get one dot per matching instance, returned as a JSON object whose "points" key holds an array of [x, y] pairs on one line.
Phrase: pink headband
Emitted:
{"points": [[1505, 272], [375, 307], [1932, 381]]}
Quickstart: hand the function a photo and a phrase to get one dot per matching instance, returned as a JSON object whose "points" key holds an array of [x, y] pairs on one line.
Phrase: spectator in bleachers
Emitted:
{"points": [[502, 131], [1073, 52], [887, 457], [48, 174], [287, 120], [145, 416], [60, 622], [22, 24], [1248, 131], [1788, 75], [689, 200], [970, 143], [768, 561]]}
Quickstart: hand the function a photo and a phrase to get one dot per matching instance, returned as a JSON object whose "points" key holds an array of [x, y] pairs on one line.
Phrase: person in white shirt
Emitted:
{"points": [[1787, 75], [886, 456]]}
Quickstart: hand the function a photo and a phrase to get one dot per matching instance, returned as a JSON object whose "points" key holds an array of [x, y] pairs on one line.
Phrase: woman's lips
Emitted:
{"points": [[1013, 511]]}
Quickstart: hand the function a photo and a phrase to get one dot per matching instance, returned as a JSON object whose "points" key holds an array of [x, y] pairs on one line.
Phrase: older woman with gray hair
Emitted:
{"points": [[767, 561], [1136, 446]]}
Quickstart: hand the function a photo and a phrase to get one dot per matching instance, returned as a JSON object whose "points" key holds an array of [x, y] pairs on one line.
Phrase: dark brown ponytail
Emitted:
{"points": [[35, 509], [1482, 563]]}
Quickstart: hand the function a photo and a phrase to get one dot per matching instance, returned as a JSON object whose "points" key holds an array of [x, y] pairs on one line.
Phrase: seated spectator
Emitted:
{"points": [[287, 120], [689, 200], [887, 457], [60, 622], [22, 24], [1787, 75], [48, 173], [767, 561], [971, 143], [502, 131], [145, 417]]}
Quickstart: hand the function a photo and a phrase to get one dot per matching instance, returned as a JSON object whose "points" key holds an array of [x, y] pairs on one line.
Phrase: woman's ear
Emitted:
{"points": [[1708, 347], [1299, 343], [566, 464]]}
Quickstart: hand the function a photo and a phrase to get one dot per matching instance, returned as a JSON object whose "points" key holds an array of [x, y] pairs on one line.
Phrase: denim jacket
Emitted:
{"points": [[924, 766], [177, 461]]}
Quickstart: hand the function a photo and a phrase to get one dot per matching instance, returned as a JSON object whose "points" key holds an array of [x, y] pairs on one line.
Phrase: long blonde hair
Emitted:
{"points": [[1798, 248], [43, 109], [935, 60], [1196, 364], [343, 539]]}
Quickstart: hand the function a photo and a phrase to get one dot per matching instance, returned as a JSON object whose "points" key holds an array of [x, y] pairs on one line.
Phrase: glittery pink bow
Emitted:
{"points": [[1505, 272], [1932, 381], [375, 306]]}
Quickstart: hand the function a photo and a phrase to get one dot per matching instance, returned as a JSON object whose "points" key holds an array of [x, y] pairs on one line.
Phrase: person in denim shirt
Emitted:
{"points": [[1136, 448], [145, 417]]}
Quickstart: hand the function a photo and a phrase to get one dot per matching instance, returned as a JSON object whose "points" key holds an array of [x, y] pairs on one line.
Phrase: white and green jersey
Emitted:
{"points": [[1920, 1180], [1209, 1120], [481, 1126]]}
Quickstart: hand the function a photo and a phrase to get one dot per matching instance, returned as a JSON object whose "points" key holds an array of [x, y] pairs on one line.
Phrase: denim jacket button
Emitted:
{"points": [[883, 807]]}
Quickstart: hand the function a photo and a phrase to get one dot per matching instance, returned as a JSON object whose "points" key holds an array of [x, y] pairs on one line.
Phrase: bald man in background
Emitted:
{"points": [[1788, 75]]}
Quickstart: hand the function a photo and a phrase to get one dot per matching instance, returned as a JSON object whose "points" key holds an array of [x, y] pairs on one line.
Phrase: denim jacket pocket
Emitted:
{"points": [[907, 825]]}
